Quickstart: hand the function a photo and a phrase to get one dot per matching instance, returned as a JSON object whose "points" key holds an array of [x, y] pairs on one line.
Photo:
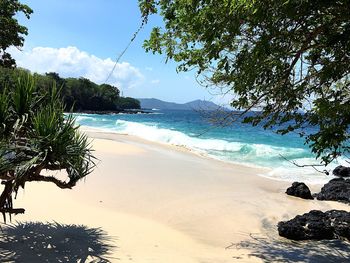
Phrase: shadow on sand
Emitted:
{"points": [[53, 242], [278, 250], [270, 247]]}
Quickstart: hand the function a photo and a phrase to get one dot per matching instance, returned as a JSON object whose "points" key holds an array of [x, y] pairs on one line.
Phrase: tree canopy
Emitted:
{"points": [[287, 59], [78, 94], [11, 32]]}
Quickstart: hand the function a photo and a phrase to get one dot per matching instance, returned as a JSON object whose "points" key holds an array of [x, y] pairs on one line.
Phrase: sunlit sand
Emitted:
{"points": [[162, 204]]}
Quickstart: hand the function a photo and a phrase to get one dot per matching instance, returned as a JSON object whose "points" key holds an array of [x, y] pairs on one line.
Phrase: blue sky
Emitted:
{"points": [[82, 37]]}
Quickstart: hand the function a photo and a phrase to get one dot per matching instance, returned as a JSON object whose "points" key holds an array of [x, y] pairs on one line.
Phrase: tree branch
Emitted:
{"points": [[306, 165], [51, 179], [54, 167], [305, 47]]}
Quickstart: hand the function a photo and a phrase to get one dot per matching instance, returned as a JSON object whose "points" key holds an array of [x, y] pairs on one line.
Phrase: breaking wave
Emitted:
{"points": [[277, 159]]}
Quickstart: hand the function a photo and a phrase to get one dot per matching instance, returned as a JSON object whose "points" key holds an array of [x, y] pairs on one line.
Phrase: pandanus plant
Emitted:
{"points": [[35, 135]]}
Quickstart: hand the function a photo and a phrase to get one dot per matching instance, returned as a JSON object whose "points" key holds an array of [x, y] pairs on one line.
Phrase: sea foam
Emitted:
{"points": [[254, 155]]}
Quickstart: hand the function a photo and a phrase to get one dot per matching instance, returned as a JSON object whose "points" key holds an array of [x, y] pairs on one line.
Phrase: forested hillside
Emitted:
{"points": [[78, 94]]}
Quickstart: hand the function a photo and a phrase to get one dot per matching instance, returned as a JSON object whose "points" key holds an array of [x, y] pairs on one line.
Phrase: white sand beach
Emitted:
{"points": [[165, 204]]}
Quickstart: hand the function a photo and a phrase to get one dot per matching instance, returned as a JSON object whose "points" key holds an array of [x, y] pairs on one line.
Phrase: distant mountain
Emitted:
{"points": [[164, 105]]}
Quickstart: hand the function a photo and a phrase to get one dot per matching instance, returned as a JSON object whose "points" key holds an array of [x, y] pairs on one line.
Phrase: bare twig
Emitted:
{"points": [[306, 165]]}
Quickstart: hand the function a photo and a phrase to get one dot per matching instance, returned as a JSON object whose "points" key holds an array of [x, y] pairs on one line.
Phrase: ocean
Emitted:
{"points": [[237, 143]]}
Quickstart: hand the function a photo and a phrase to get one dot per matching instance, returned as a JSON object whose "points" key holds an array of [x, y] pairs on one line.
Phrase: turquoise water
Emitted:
{"points": [[237, 143]]}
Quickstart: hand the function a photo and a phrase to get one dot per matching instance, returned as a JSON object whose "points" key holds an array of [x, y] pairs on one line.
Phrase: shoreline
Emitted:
{"points": [[162, 204], [105, 133]]}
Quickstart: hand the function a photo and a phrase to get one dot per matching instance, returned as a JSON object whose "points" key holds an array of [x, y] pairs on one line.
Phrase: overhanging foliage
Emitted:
{"points": [[288, 59], [11, 32]]}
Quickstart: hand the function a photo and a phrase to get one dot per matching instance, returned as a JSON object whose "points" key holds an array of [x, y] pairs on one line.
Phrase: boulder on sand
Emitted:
{"points": [[299, 190], [337, 189], [317, 225], [341, 171]]}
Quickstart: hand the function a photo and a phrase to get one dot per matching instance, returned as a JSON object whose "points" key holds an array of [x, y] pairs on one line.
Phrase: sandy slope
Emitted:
{"points": [[165, 204]]}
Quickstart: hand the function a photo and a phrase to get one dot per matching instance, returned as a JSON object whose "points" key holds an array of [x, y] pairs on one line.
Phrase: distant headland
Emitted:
{"points": [[152, 103]]}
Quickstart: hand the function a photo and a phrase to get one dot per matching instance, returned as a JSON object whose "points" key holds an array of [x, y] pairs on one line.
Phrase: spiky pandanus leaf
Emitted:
{"points": [[4, 113], [4, 106], [39, 137], [23, 97], [79, 155]]}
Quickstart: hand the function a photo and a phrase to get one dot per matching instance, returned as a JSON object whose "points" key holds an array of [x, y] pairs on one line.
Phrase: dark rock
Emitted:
{"points": [[337, 189], [333, 224], [299, 190], [341, 171]]}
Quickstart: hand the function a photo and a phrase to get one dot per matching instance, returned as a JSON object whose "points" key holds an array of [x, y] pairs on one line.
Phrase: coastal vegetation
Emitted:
{"points": [[288, 60], [78, 94], [36, 136]]}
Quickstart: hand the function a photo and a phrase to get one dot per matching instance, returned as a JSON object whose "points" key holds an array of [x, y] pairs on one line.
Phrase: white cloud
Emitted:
{"points": [[71, 62], [155, 81], [148, 68]]}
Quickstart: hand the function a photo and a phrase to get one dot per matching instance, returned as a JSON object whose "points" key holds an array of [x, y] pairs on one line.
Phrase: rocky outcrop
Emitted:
{"points": [[333, 224], [299, 190], [341, 171], [335, 190], [110, 112]]}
